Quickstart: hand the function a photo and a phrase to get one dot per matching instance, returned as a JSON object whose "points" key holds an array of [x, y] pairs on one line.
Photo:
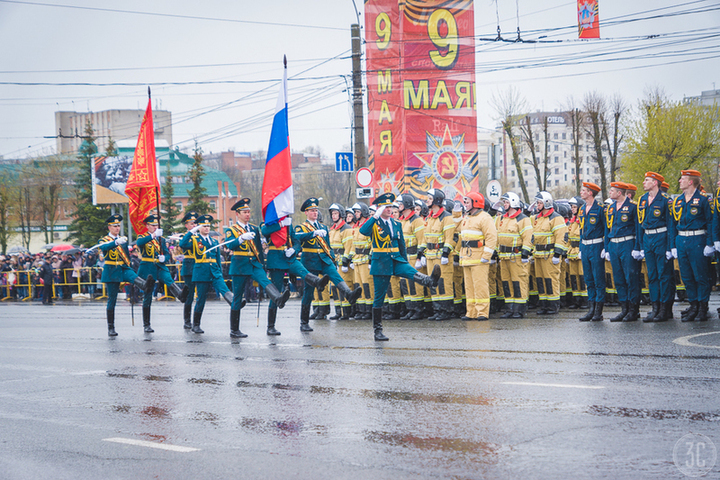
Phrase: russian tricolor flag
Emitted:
{"points": [[277, 190]]}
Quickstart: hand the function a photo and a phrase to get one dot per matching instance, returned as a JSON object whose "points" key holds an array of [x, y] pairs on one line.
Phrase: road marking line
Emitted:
{"points": [[685, 341], [143, 443], [592, 387]]}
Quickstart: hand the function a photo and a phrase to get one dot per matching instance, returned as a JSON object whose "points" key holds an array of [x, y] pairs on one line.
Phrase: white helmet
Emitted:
{"points": [[512, 198], [545, 198]]}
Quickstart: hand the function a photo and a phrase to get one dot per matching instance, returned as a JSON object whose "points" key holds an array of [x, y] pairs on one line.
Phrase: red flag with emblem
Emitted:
{"points": [[588, 19], [143, 185]]}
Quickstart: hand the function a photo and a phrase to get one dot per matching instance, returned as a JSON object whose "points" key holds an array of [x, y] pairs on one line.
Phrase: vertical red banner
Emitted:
{"points": [[588, 19], [431, 54]]}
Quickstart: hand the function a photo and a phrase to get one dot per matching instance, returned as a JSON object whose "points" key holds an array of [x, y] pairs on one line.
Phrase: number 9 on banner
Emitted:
{"points": [[383, 29], [443, 33]]}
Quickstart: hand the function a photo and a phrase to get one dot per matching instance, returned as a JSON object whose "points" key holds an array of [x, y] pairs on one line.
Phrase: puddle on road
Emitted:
{"points": [[281, 427], [207, 417], [205, 381], [155, 412], [431, 443], [121, 375], [157, 378], [121, 408], [604, 411]]}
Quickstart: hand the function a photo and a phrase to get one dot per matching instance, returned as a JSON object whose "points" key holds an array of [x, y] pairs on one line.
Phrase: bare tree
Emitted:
{"points": [[618, 107], [594, 106], [577, 119], [509, 106]]}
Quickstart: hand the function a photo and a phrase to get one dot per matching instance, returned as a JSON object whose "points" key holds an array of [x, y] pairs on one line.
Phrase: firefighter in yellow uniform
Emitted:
{"points": [[456, 210], [361, 263], [514, 230], [341, 243], [478, 239], [414, 232], [575, 269], [439, 237], [549, 231]]}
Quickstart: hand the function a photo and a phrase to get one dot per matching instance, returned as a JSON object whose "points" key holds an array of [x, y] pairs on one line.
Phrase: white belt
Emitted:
{"points": [[593, 241], [622, 239], [656, 230], [691, 233]]}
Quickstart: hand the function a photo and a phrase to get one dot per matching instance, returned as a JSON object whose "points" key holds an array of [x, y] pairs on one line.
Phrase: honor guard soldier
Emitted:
{"points": [[153, 254], [282, 256], [117, 269], [389, 257], [247, 263], [208, 267], [341, 243], [654, 212], [549, 231], [692, 213], [186, 270], [592, 244], [622, 249], [439, 239], [478, 239], [318, 259], [574, 258], [514, 232]]}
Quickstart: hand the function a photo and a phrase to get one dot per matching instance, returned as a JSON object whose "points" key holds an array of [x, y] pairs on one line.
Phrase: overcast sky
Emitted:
{"points": [[216, 64]]}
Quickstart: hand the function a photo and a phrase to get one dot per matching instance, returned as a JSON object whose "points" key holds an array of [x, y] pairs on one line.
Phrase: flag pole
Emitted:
{"points": [[157, 187]]}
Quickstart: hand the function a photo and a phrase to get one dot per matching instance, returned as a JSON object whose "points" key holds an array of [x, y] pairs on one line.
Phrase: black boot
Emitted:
{"points": [[228, 296], [177, 292], [322, 312], [520, 310], [272, 315], [235, 325], [187, 313], [652, 314], [111, 323], [598, 316], [305, 318], [669, 309], [692, 312], [346, 312], [582, 302], [553, 307], [509, 310], [573, 303], [145, 285], [625, 309], [703, 315], [196, 322], [278, 298], [338, 313], [591, 311], [350, 295], [430, 281], [662, 315], [542, 307], [146, 320], [184, 293], [315, 312], [317, 282], [377, 325], [633, 313]]}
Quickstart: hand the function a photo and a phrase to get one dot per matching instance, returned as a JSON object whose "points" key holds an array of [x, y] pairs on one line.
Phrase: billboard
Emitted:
{"points": [[422, 126]]}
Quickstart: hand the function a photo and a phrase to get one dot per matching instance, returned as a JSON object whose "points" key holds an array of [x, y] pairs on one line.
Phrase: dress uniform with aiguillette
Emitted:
{"points": [[389, 257], [186, 270], [117, 268]]}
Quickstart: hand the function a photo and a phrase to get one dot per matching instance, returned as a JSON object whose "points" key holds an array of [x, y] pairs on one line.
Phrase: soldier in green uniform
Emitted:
{"points": [[207, 269], [117, 268], [389, 257], [186, 273], [153, 253], [318, 258]]}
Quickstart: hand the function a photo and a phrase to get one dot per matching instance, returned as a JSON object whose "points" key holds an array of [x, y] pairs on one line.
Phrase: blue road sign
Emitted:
{"points": [[344, 162]]}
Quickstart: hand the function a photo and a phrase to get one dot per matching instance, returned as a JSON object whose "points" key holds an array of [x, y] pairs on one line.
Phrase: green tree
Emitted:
{"points": [[88, 223], [170, 210], [666, 136], [111, 150], [197, 193]]}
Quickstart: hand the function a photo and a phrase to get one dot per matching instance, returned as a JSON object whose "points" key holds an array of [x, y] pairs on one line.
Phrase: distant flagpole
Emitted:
{"points": [[277, 190], [142, 187]]}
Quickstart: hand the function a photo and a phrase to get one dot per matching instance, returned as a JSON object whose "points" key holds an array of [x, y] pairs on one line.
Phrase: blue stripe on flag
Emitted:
{"points": [[278, 135]]}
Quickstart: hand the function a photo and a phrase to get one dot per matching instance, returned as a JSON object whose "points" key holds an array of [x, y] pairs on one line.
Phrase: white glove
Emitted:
{"points": [[607, 256], [717, 246], [289, 252], [444, 260], [195, 229], [458, 207], [483, 260], [285, 222], [602, 253], [157, 233], [668, 255], [674, 252], [379, 211], [708, 251], [567, 260], [352, 265], [418, 263], [636, 254], [556, 260], [247, 236], [319, 233], [491, 261], [642, 254], [120, 240], [532, 259], [161, 258], [423, 261], [344, 269], [524, 260], [579, 255]]}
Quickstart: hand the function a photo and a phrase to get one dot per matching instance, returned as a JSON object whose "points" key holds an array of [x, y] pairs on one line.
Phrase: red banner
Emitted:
{"points": [[421, 95], [143, 185], [588, 19]]}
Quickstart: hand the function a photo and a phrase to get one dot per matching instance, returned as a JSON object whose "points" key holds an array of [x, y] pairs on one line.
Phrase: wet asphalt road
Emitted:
{"points": [[533, 398]]}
